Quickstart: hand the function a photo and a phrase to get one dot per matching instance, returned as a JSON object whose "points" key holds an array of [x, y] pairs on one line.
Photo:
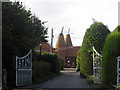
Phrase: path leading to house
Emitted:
{"points": [[68, 79]]}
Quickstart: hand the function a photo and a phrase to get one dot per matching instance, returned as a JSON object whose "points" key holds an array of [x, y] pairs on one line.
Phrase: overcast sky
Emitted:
{"points": [[74, 14]]}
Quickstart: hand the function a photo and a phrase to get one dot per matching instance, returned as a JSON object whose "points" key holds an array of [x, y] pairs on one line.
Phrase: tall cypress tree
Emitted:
{"points": [[95, 36]]}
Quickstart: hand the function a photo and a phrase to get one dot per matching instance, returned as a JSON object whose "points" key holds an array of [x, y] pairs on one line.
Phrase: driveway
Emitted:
{"points": [[68, 79]]}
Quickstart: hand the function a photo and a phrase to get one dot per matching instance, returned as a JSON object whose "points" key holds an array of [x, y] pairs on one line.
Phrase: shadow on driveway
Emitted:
{"points": [[68, 79]]}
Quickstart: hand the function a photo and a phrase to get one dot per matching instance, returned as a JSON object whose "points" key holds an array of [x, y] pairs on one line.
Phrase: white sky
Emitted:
{"points": [[74, 14]]}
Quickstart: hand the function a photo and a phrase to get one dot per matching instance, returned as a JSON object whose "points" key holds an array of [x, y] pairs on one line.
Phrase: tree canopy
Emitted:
{"points": [[21, 31], [95, 36]]}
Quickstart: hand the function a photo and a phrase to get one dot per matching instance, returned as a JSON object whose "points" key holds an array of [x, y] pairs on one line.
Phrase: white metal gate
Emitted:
{"points": [[24, 70], [118, 71], [97, 66]]}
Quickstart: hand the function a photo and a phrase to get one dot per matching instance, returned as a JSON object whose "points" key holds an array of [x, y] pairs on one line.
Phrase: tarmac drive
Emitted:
{"points": [[68, 79]]}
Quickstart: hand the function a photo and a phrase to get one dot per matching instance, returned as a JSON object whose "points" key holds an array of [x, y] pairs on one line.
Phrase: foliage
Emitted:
{"points": [[50, 58], [90, 79], [118, 88], [45, 66], [41, 70], [78, 62], [94, 36], [61, 64], [111, 51], [21, 31], [82, 75], [85, 63], [36, 56]]}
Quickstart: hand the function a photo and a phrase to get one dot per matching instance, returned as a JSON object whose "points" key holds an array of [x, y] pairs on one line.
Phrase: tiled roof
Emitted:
{"points": [[69, 51], [45, 47]]}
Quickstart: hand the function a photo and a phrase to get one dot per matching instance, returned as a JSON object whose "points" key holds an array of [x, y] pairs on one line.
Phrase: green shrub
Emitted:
{"points": [[116, 88], [41, 70], [94, 36], [61, 64], [78, 62], [50, 58], [36, 56], [53, 60], [86, 63], [90, 79], [82, 75], [111, 51]]}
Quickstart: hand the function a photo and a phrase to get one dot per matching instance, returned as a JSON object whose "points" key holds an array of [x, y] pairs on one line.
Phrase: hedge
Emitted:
{"points": [[40, 71], [78, 63], [86, 64], [61, 64], [51, 58], [95, 36], [111, 51]]}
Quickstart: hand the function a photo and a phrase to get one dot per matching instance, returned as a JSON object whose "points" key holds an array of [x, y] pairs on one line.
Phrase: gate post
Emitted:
{"points": [[31, 65], [4, 79], [16, 70], [118, 71], [93, 63]]}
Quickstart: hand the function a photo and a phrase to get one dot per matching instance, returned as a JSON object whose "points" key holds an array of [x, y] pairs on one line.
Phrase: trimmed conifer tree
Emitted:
{"points": [[111, 51], [95, 36]]}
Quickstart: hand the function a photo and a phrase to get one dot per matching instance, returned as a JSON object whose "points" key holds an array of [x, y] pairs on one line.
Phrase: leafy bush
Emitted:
{"points": [[82, 75], [116, 88], [61, 64], [53, 60], [41, 71], [78, 62], [90, 79], [36, 56], [86, 64], [50, 58], [94, 36], [111, 51]]}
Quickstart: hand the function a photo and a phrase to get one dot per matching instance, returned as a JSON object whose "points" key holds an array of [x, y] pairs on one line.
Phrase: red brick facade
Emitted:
{"points": [[45, 47], [64, 49]]}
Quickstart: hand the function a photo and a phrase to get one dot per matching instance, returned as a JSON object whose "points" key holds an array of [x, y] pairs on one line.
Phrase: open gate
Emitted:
{"points": [[97, 66], [24, 69]]}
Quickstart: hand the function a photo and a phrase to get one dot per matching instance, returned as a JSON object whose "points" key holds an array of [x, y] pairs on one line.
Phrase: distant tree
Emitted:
{"points": [[21, 31], [94, 36]]}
